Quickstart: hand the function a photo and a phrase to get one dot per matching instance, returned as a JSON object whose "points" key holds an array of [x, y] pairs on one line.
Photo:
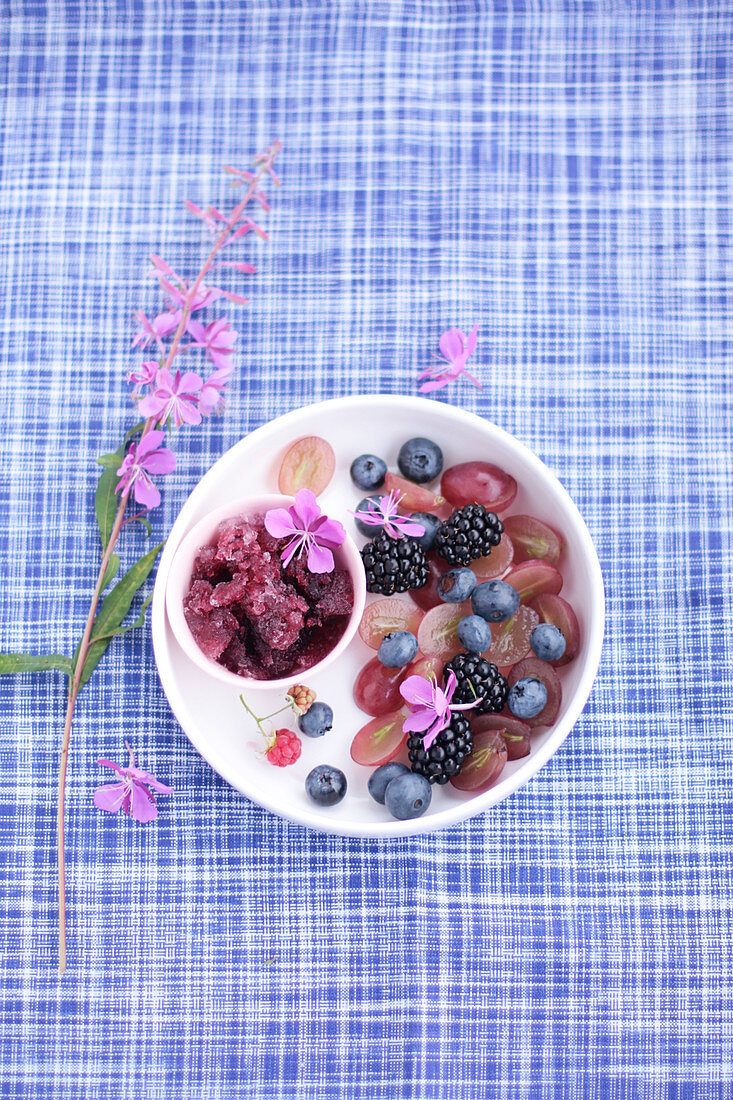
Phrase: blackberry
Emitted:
{"points": [[468, 533], [447, 753], [394, 565], [476, 677]]}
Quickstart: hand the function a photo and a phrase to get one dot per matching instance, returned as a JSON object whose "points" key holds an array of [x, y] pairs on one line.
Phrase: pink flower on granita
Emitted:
{"points": [[176, 396], [307, 530], [143, 459], [131, 792]]}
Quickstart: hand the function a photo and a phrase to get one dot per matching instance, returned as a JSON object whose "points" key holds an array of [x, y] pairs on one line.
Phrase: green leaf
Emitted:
{"points": [[106, 500], [145, 522], [111, 614], [113, 566], [13, 663], [111, 461], [133, 432]]}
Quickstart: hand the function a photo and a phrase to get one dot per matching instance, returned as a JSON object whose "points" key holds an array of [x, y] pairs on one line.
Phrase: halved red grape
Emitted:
{"points": [[437, 635], [308, 464], [428, 667], [510, 639], [532, 666], [414, 497], [531, 578], [485, 764], [377, 689], [556, 610], [427, 596], [380, 740], [478, 483], [387, 615], [496, 563], [533, 538], [516, 734]]}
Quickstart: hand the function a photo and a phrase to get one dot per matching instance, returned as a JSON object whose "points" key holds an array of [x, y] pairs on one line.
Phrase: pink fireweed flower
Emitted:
{"points": [[218, 340], [144, 376], [162, 325], [430, 705], [175, 395], [307, 529], [383, 513], [143, 459], [211, 399], [456, 348], [131, 792]]}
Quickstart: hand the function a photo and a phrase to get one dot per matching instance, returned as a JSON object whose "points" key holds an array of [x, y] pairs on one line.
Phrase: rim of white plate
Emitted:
{"points": [[455, 812]]}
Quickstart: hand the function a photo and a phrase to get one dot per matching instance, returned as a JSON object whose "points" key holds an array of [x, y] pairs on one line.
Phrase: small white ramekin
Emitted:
{"points": [[179, 578]]}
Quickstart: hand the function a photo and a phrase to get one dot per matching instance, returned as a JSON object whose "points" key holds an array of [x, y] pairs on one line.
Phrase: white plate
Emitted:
{"points": [[210, 713]]}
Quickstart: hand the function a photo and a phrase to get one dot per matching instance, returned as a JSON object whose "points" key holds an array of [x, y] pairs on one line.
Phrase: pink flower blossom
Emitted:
{"points": [[144, 376], [384, 514], [306, 528], [211, 398], [174, 395], [131, 792], [143, 459], [430, 706], [162, 325], [217, 338], [456, 348]]}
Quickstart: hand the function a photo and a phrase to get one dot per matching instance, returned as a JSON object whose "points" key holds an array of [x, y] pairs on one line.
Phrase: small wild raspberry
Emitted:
{"points": [[285, 749], [303, 697]]}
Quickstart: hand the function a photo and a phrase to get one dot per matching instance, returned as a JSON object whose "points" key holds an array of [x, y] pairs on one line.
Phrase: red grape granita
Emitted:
{"points": [[256, 617]]}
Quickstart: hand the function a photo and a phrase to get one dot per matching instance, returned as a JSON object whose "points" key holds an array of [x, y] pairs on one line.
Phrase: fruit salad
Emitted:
{"points": [[469, 631]]}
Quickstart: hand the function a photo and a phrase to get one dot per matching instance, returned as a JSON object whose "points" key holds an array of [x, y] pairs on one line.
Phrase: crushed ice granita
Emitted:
{"points": [[256, 617]]}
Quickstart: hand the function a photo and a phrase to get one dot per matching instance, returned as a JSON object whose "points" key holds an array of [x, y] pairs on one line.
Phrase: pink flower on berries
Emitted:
{"points": [[430, 706], [307, 529], [145, 376], [456, 348], [175, 395], [218, 340], [384, 514], [130, 793], [143, 459]]}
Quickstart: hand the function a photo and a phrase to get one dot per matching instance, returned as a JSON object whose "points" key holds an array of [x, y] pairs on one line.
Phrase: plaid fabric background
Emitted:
{"points": [[561, 174]]}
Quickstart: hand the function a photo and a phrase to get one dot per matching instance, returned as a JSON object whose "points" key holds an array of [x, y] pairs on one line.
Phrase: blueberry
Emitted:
{"points": [[548, 643], [397, 649], [494, 601], [316, 720], [474, 634], [527, 698], [431, 524], [378, 780], [420, 460], [325, 785], [407, 796], [370, 530], [456, 585], [368, 472]]}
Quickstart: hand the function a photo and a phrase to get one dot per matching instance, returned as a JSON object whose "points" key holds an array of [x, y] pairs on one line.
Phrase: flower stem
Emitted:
{"points": [[218, 244], [75, 678], [74, 682]]}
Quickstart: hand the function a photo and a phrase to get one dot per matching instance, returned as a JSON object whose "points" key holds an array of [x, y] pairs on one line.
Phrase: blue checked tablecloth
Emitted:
{"points": [[560, 173]]}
